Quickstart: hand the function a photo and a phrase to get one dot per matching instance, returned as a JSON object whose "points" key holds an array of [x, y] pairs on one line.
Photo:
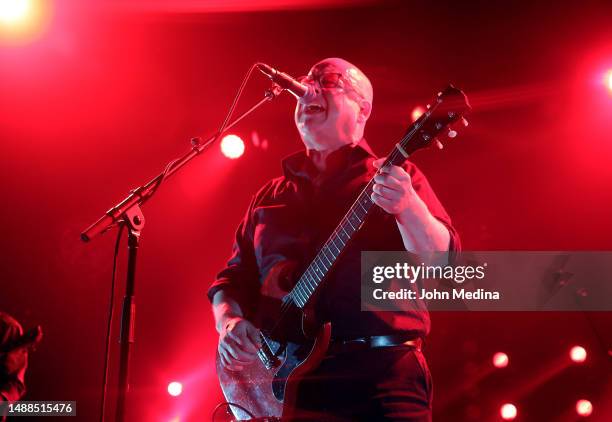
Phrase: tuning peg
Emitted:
{"points": [[439, 144], [465, 122], [451, 133]]}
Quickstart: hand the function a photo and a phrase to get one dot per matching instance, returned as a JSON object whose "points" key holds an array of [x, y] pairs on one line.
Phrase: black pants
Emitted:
{"points": [[381, 384]]}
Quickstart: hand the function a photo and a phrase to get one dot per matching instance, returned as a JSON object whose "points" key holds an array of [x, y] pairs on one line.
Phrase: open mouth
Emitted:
{"points": [[313, 109]]}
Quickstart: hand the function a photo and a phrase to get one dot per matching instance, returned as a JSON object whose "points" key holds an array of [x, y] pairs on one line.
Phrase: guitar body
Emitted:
{"points": [[294, 341]]}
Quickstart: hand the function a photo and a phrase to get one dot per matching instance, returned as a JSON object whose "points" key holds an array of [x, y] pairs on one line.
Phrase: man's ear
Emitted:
{"points": [[365, 109]]}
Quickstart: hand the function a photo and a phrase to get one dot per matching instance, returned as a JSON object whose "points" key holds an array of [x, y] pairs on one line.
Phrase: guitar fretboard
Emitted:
{"points": [[331, 250]]}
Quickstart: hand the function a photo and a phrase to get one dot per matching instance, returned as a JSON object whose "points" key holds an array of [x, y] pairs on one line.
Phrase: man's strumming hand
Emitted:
{"points": [[238, 343]]}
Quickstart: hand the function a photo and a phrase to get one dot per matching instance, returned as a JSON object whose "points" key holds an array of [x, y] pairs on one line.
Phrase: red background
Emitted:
{"points": [[107, 95]]}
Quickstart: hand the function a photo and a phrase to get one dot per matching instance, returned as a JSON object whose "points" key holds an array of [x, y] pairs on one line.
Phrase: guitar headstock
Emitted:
{"points": [[446, 113]]}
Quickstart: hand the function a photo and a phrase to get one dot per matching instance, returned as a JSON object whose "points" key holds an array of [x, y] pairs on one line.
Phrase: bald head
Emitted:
{"points": [[337, 114], [357, 80]]}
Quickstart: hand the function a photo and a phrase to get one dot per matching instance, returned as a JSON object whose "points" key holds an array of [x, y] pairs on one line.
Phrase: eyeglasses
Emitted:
{"points": [[325, 80], [330, 80]]}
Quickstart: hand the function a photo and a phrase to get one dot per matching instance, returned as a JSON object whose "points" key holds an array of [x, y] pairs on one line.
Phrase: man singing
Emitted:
{"points": [[374, 369]]}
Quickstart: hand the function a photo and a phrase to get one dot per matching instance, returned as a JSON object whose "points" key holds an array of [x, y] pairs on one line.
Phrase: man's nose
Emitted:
{"points": [[314, 85]]}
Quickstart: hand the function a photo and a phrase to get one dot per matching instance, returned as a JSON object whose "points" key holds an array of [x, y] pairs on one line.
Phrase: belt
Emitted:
{"points": [[372, 342]]}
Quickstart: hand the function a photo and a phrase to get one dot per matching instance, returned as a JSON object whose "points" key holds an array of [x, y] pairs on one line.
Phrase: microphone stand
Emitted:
{"points": [[128, 212]]}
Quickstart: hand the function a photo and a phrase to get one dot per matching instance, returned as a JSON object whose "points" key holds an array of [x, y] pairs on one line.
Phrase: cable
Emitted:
{"points": [[230, 112], [236, 98], [111, 307]]}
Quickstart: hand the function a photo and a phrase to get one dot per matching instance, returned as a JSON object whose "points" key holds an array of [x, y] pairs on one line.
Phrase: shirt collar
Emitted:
{"points": [[300, 165]]}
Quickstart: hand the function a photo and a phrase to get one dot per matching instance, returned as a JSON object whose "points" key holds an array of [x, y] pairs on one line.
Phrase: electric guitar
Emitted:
{"points": [[293, 342]]}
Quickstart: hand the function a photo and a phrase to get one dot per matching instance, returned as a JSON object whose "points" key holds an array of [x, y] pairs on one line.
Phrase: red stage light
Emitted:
{"points": [[232, 146], [500, 360], [578, 354], [13, 11], [584, 407], [175, 388], [508, 411], [417, 112], [608, 80], [23, 20]]}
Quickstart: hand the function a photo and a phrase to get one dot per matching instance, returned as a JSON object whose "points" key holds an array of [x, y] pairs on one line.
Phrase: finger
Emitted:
{"points": [[386, 192], [227, 353], [378, 163], [235, 337], [244, 341], [385, 204], [396, 171], [235, 353], [380, 190], [254, 336], [235, 368], [389, 181], [223, 360], [229, 365], [249, 345]]}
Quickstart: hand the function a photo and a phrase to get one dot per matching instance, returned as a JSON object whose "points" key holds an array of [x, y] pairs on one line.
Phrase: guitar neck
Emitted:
{"points": [[333, 247], [419, 135]]}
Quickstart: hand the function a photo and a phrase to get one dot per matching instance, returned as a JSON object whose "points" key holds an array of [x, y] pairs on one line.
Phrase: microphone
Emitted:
{"points": [[299, 90]]}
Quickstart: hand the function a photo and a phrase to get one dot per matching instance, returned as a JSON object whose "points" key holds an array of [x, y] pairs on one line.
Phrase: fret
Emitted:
{"points": [[322, 265], [313, 275], [330, 252], [292, 297], [322, 253], [336, 235], [304, 295], [317, 269], [348, 236], [367, 201], [348, 221], [306, 287], [333, 242], [364, 209], [307, 280], [298, 296], [357, 216], [305, 291]]}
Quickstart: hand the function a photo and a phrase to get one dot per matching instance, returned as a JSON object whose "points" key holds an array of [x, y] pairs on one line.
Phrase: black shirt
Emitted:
{"points": [[293, 215]]}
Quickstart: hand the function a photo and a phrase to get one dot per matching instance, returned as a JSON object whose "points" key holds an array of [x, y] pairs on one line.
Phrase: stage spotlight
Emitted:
{"points": [[22, 21], [175, 388], [508, 411], [500, 360], [578, 354], [232, 146], [14, 11], [608, 80], [584, 408], [417, 112]]}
